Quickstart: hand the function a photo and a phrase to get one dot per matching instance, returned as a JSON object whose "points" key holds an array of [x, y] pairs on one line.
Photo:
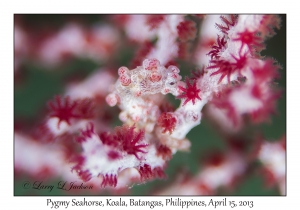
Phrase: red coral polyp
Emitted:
{"points": [[85, 108], [154, 20], [84, 175], [186, 30], [147, 173], [266, 72], [228, 23], [241, 62], [190, 93], [224, 68], [63, 109], [183, 50], [167, 121], [113, 155], [141, 53], [86, 133], [164, 152], [268, 23], [269, 99], [129, 139], [250, 39], [109, 180], [221, 101], [197, 74], [108, 139], [216, 49]]}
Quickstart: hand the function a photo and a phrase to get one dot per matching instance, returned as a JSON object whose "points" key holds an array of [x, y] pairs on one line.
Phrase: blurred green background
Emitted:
{"points": [[38, 85]]}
